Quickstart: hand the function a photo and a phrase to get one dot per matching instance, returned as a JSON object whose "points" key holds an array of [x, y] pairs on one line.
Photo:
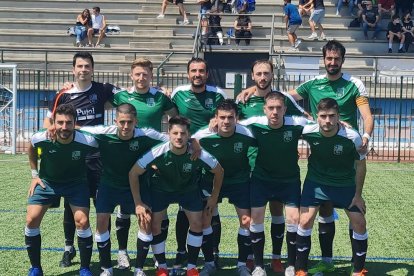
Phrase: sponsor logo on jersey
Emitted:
{"points": [[52, 151], [208, 103], [215, 145], [150, 102], [315, 143], [168, 163], [133, 145], [76, 155], [338, 149], [340, 92], [187, 100], [322, 87], [238, 147], [74, 97], [253, 104], [93, 98], [187, 167], [287, 136], [265, 132], [85, 112], [130, 99]]}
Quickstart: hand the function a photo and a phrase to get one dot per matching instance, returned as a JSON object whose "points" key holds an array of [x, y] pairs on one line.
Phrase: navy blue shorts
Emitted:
{"points": [[190, 201], [262, 191], [238, 194], [314, 194], [76, 193], [107, 198]]}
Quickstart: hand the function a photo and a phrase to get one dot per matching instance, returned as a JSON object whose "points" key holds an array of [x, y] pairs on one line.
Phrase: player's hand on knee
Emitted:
{"points": [[35, 181], [143, 213], [211, 204], [359, 202]]}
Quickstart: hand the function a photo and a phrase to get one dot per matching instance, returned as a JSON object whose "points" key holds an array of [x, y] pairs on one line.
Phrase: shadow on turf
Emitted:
{"points": [[228, 267]]}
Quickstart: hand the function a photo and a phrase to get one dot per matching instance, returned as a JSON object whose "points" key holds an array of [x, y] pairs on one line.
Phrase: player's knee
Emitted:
{"points": [[196, 225], [359, 225], [82, 222]]}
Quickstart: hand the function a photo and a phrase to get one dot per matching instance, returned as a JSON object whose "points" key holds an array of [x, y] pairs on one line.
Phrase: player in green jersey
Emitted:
{"points": [[352, 97], [230, 146], [150, 103], [175, 180], [62, 174], [336, 173], [120, 146], [262, 75], [275, 177], [196, 101]]}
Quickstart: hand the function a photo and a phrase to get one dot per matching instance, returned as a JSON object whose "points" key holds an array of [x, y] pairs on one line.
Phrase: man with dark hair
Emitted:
{"points": [[120, 146], [275, 178], [88, 98], [197, 101], [293, 22], [56, 179], [230, 146], [98, 27], [370, 19], [175, 181], [336, 173], [395, 32]]}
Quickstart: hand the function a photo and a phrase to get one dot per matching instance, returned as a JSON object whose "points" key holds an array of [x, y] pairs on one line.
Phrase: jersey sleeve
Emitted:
{"points": [[152, 154], [357, 140], [204, 132], [208, 159], [304, 89], [37, 138], [167, 103], [101, 129], [109, 91], [155, 135]]}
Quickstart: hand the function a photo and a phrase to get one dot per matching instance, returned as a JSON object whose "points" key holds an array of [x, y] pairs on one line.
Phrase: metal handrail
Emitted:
{"points": [[197, 38], [159, 67]]}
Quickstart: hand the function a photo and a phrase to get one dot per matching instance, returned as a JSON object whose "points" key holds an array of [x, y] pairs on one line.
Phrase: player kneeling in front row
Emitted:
{"points": [[229, 145], [62, 174], [336, 173], [174, 181]]}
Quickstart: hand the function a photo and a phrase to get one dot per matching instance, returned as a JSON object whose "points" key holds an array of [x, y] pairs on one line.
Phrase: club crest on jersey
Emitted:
{"points": [[150, 102], [238, 147], [93, 98], [287, 136], [340, 92], [76, 155], [338, 149], [133, 145], [187, 167], [208, 103]]}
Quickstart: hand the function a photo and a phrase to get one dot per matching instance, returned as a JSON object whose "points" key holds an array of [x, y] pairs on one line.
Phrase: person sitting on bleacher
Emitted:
{"points": [[350, 3], [408, 30], [214, 27], [370, 19], [243, 28], [98, 27], [362, 5], [83, 23], [395, 32], [386, 7], [205, 6]]}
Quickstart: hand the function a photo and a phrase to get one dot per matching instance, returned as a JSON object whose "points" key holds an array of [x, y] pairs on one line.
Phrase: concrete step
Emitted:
{"points": [[150, 45], [139, 32], [78, 4]]}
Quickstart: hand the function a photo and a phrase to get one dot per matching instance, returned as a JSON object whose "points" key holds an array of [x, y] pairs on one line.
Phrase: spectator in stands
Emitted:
{"points": [[370, 19], [243, 28], [214, 25], [316, 19], [395, 32], [386, 7], [83, 23], [350, 4], [98, 27], [305, 7], [293, 22], [205, 6], [362, 5], [180, 4], [408, 30]]}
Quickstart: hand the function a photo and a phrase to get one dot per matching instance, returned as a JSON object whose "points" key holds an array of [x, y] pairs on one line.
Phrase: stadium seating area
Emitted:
{"points": [[36, 26]]}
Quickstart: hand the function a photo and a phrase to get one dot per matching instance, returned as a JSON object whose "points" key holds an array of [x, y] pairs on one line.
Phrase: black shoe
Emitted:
{"points": [[67, 258], [389, 50], [180, 260], [216, 260], [401, 51]]}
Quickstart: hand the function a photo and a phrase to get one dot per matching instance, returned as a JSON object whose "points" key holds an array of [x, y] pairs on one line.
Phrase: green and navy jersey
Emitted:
{"points": [[254, 107], [332, 159], [175, 173], [231, 152], [118, 156], [150, 106], [198, 107], [346, 90], [277, 157], [62, 163]]}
